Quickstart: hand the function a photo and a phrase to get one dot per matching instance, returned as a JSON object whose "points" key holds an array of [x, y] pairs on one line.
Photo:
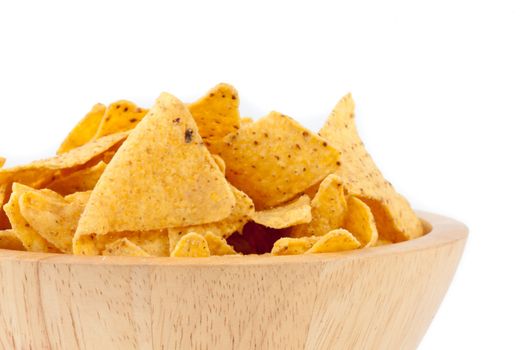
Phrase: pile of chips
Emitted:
{"points": [[197, 180]]}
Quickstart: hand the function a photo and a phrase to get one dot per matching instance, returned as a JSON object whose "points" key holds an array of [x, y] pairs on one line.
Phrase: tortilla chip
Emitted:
{"points": [[241, 213], [381, 242], [395, 218], [154, 243], [85, 130], [335, 241], [120, 116], [53, 217], [80, 181], [124, 247], [360, 221], [42, 171], [328, 209], [2, 161], [293, 246], [275, 159], [218, 245], [290, 214], [191, 245], [162, 176], [246, 121], [9, 240], [217, 114], [220, 163], [31, 240]]}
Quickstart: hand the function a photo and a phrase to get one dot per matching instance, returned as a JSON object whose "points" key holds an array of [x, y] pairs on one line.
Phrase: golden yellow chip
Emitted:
{"points": [[43, 170], [218, 245], [217, 114], [293, 246], [53, 217], [328, 209], [191, 245], [381, 242], [85, 130], [2, 161], [124, 247], [360, 221], [152, 184], [220, 163], [395, 218], [335, 241], [287, 215], [80, 181], [154, 243], [241, 213], [275, 159], [120, 116], [9, 240], [246, 121], [31, 240]]}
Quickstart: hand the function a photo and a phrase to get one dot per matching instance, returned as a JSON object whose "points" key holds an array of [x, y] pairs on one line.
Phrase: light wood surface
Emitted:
{"points": [[375, 298]]}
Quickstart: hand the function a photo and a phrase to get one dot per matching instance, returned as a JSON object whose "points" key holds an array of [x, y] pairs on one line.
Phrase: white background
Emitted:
{"points": [[439, 87]]}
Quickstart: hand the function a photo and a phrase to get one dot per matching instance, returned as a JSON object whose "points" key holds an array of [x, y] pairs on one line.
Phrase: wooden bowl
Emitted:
{"points": [[376, 298]]}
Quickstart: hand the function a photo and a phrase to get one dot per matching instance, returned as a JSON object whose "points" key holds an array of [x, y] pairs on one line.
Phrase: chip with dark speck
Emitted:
{"points": [[188, 135]]}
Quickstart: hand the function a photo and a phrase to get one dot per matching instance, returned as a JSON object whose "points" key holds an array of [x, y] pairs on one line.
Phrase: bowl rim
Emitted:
{"points": [[441, 230]]}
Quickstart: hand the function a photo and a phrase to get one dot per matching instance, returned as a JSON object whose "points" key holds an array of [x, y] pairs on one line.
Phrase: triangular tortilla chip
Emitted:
{"points": [[53, 217], [335, 241], [287, 215], [9, 240], [120, 116], [162, 176], [329, 209], [191, 245], [216, 114], [218, 246], [42, 171], [239, 216], [360, 221], [275, 159], [124, 247], [293, 246], [80, 181], [85, 130], [154, 243], [30, 238], [394, 217]]}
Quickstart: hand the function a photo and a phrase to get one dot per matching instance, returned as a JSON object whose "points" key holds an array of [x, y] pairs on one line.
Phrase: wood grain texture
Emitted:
{"points": [[375, 298]]}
